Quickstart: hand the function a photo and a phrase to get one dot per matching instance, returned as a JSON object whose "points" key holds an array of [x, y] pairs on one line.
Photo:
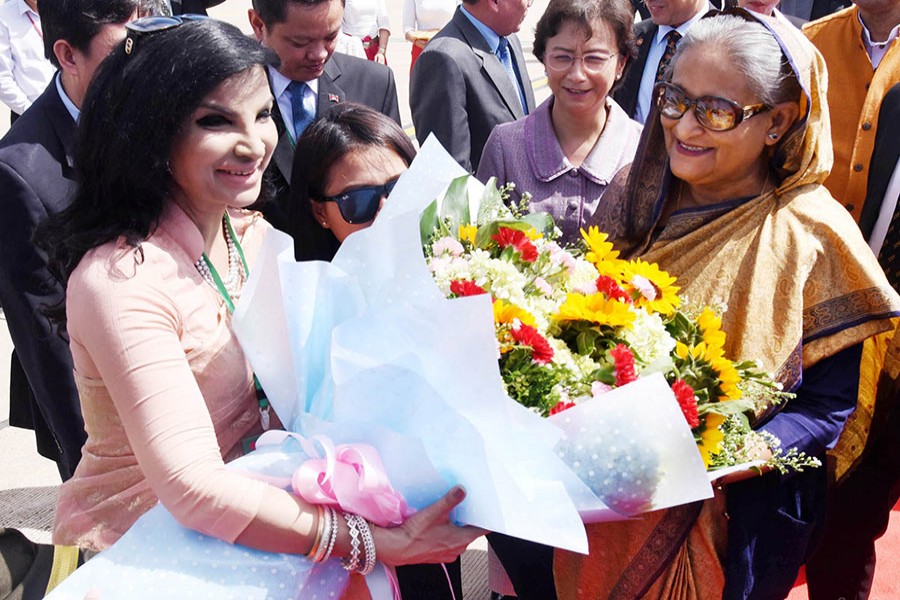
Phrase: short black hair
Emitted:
{"points": [[619, 14], [133, 111], [275, 11], [78, 21], [347, 127]]}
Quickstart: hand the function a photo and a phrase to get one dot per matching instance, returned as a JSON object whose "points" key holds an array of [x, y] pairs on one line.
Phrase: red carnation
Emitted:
{"points": [[464, 287], [613, 290], [687, 401], [624, 360], [561, 406], [518, 240], [541, 352]]}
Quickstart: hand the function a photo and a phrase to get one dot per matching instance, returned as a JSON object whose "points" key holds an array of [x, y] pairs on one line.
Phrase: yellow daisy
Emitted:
{"points": [[467, 233], [595, 308], [711, 438], [651, 287], [505, 312]]}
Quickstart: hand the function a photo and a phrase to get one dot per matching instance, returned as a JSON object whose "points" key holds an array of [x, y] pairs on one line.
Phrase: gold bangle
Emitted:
{"points": [[319, 527]]}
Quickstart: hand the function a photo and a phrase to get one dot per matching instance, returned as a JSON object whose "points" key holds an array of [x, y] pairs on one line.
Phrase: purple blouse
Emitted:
{"points": [[527, 153]]}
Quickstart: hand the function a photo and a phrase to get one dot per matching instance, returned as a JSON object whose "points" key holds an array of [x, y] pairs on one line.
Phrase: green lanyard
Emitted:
{"points": [[260, 393]]}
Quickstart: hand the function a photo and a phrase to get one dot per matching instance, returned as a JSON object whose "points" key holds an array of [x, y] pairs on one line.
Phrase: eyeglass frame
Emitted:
{"points": [[144, 26], [378, 193], [741, 113], [584, 65]]}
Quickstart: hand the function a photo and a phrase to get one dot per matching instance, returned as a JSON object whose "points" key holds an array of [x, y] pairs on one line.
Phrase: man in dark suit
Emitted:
{"points": [[860, 506], [310, 79], [471, 77], [37, 180], [656, 39]]}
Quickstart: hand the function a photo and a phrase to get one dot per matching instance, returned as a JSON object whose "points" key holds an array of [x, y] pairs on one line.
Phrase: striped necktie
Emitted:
{"points": [[506, 60], [301, 116]]}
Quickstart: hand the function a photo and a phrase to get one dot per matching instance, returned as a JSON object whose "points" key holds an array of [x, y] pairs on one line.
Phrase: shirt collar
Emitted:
{"points": [[70, 106], [600, 164], [24, 8], [280, 83], [489, 35], [662, 30], [867, 38]]}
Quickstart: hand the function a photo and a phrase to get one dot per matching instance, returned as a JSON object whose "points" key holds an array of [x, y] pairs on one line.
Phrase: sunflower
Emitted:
{"points": [[467, 233], [729, 378], [711, 438], [600, 251], [651, 287], [595, 308], [711, 325], [534, 235], [505, 312]]}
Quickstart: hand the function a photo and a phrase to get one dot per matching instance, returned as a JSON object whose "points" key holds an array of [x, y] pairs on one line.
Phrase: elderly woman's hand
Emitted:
{"points": [[428, 536]]}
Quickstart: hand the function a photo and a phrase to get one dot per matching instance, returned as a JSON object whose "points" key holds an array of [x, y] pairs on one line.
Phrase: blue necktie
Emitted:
{"points": [[506, 61], [302, 117]]}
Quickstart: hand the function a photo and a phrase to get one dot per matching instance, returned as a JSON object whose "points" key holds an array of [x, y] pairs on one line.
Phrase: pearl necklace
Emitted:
{"points": [[234, 280]]}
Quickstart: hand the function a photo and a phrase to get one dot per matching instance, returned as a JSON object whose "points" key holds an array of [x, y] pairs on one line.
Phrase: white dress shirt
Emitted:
{"points": [[282, 95], [423, 15], [24, 72], [877, 50], [365, 17], [648, 78]]}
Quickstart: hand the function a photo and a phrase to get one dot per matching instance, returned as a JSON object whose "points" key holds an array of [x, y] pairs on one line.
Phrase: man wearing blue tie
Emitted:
{"points": [[482, 80], [310, 79]]}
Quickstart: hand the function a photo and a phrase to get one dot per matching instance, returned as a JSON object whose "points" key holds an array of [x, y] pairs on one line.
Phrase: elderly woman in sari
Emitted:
{"points": [[566, 152], [726, 194]]}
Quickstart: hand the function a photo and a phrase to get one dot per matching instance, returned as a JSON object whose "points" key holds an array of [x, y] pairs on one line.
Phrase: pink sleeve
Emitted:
{"points": [[129, 329]]}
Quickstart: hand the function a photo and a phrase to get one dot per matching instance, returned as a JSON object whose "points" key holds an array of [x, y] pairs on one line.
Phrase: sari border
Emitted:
{"points": [[847, 311]]}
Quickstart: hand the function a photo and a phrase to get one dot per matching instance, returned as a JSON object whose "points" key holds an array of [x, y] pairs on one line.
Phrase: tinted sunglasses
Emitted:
{"points": [[361, 204], [146, 25], [712, 112]]}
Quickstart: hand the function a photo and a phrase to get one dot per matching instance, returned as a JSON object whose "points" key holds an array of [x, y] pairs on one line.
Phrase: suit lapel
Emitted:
{"points": [[62, 123], [283, 155], [883, 161], [330, 92], [627, 94], [491, 64], [523, 72]]}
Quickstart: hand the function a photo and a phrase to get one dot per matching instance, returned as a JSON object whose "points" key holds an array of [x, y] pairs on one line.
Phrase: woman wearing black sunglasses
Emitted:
{"points": [[345, 165], [155, 249], [725, 193]]}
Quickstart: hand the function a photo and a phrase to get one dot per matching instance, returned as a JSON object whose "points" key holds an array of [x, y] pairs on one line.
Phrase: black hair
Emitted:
{"points": [[619, 14], [132, 113], [275, 11], [78, 21], [344, 129]]}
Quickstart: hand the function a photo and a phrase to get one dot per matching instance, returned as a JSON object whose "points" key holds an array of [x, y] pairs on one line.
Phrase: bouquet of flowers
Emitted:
{"points": [[575, 323]]}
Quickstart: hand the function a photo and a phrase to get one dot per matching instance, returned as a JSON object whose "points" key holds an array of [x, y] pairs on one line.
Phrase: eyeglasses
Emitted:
{"points": [[712, 112], [362, 204], [145, 25], [592, 63]]}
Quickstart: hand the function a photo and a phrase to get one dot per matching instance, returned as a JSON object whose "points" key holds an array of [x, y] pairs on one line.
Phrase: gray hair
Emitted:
{"points": [[752, 51]]}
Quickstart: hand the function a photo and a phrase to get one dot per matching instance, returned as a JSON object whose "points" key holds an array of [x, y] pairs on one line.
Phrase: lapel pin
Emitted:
{"points": [[334, 98]]}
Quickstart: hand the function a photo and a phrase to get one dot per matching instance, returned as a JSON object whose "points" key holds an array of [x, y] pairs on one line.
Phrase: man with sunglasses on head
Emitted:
{"points": [[471, 77], [657, 38], [310, 79]]}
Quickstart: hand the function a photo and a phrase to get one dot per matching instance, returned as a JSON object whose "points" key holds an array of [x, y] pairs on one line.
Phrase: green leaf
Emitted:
{"points": [[455, 207], [428, 222], [541, 221]]}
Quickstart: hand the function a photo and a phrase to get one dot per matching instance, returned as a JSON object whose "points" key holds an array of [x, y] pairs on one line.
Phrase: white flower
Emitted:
{"points": [[541, 284], [650, 342]]}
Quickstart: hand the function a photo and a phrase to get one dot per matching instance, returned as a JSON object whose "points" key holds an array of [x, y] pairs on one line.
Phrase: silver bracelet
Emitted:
{"points": [[369, 546], [334, 533], [326, 534], [351, 562]]}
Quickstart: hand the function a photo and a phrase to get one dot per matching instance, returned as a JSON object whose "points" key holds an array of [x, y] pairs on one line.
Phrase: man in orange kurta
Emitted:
{"points": [[862, 52]]}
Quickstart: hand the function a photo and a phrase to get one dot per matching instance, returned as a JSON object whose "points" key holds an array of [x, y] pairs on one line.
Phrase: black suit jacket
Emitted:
{"points": [[345, 79], [626, 94], [37, 180], [459, 90], [197, 7], [884, 159]]}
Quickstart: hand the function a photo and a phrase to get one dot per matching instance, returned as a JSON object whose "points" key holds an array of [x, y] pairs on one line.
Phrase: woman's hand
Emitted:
{"points": [[379, 57], [762, 454], [426, 537]]}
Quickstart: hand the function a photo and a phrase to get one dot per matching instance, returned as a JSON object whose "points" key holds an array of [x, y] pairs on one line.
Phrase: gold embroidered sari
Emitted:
{"points": [[800, 284]]}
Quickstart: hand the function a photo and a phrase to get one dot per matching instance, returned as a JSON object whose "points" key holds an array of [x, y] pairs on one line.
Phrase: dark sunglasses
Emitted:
{"points": [[362, 204], [146, 25], [712, 112]]}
